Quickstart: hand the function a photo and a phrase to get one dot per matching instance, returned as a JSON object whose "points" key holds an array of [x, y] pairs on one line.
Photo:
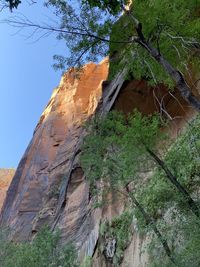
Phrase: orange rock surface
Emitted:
{"points": [[32, 198], [6, 176]]}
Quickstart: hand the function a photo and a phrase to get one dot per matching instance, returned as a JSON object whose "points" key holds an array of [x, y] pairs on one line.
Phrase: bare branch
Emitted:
{"points": [[75, 31], [84, 52], [162, 109], [185, 41]]}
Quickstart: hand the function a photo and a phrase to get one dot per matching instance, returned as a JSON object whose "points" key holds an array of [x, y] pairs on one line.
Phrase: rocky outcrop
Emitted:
{"points": [[6, 176], [49, 186]]}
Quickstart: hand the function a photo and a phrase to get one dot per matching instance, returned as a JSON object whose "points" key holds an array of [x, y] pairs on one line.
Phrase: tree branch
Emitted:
{"points": [[150, 221], [25, 24], [176, 75]]}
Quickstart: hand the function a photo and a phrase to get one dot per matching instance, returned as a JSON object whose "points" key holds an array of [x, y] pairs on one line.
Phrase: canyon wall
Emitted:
{"points": [[49, 186], [33, 196]]}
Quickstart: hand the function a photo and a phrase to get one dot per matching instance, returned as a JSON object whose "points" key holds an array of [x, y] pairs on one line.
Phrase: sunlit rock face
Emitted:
{"points": [[6, 176], [49, 186], [33, 195]]}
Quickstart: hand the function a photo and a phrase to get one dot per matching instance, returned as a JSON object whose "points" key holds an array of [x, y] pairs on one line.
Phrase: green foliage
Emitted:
{"points": [[171, 27], [87, 262], [183, 160], [115, 152], [43, 251], [186, 149], [95, 28], [119, 145], [112, 6], [83, 31], [189, 254], [103, 141], [168, 207], [185, 234], [120, 228]]}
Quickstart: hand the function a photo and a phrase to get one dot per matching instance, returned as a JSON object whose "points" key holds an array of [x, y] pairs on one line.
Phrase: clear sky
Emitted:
{"points": [[26, 83]]}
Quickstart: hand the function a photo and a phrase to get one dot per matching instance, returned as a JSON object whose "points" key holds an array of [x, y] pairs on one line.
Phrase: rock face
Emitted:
{"points": [[32, 198], [6, 176], [49, 186]]}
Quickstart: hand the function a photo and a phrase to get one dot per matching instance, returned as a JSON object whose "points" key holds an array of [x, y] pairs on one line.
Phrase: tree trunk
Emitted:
{"points": [[150, 221], [176, 75], [174, 181]]}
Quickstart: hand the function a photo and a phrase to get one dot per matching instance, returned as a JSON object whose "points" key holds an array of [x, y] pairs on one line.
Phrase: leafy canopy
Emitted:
{"points": [[93, 29], [173, 27], [119, 145], [102, 28], [112, 6], [85, 31]]}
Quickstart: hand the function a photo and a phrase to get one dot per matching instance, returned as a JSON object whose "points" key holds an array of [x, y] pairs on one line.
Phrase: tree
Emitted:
{"points": [[165, 32], [140, 143], [155, 40], [159, 198], [115, 156], [120, 159]]}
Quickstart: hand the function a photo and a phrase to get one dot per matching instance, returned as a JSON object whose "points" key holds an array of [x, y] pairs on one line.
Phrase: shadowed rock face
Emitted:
{"points": [[148, 100], [6, 176], [49, 186]]}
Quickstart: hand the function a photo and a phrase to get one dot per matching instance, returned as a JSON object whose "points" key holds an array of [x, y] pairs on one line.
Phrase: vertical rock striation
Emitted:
{"points": [[33, 196]]}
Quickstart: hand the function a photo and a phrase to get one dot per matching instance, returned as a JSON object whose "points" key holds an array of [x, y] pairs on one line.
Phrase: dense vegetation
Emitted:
{"points": [[43, 251], [123, 164]]}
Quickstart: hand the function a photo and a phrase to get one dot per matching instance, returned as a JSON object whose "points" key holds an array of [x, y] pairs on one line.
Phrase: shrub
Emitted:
{"points": [[120, 229], [43, 251]]}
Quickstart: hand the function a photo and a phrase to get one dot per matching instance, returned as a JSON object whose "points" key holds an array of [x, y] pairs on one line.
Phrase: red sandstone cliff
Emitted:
{"points": [[49, 186], [6, 176], [48, 158]]}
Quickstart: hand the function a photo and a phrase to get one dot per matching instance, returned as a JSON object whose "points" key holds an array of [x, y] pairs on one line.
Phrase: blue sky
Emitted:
{"points": [[26, 83]]}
